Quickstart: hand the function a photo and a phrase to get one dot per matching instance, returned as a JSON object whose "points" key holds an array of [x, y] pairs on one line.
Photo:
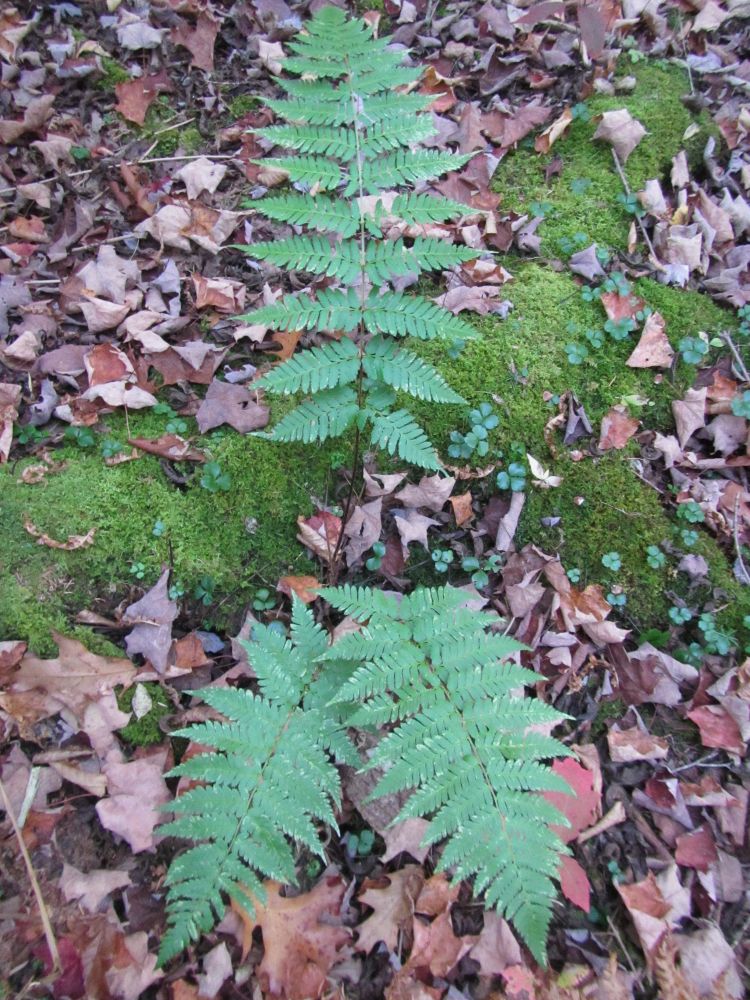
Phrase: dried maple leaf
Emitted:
{"points": [[152, 618], [136, 791], [233, 404], [392, 898], [689, 414], [301, 938], [431, 492], [135, 97], [200, 40], [617, 429]]}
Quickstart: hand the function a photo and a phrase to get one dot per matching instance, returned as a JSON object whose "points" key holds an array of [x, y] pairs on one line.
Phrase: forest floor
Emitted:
{"points": [[607, 523]]}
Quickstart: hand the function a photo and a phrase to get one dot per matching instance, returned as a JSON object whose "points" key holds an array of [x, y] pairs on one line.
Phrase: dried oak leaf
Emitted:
{"points": [[199, 40], [653, 350], [546, 139], [233, 404], [392, 899], [152, 618], [621, 131], [301, 938], [71, 681]]}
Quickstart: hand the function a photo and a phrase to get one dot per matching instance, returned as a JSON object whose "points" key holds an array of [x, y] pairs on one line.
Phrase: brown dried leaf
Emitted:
{"points": [[621, 131], [392, 898], [546, 139], [303, 586], [233, 404], [320, 533], [152, 617], [689, 414], [72, 542], [653, 350], [135, 97], [617, 429]]}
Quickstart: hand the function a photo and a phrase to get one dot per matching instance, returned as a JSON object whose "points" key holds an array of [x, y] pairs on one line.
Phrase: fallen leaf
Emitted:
{"points": [[587, 264], [200, 175], [656, 905], [542, 477], [392, 899], [574, 883], [136, 790], [497, 947], [405, 837], [617, 429], [462, 509], [222, 294], [621, 131], [217, 968], [653, 350], [363, 529], [302, 937], [583, 806], [627, 745], [431, 493], [709, 963], [135, 97], [618, 307], [718, 729], [152, 617], [412, 527], [10, 397], [320, 533], [199, 40], [689, 414], [303, 586], [93, 887], [546, 139], [233, 404], [696, 849], [170, 446]]}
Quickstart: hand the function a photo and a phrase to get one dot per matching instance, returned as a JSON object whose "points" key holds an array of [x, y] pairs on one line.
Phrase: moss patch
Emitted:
{"points": [[583, 198], [144, 731], [112, 74], [241, 538], [619, 512]]}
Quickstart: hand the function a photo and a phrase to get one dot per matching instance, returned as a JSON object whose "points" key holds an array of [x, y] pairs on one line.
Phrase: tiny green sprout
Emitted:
{"points": [[576, 353], [204, 590], [28, 435], [80, 152], [595, 338], [679, 615], [602, 255], [456, 349], [693, 350], [615, 871], [617, 600], [514, 478], [690, 511], [689, 537], [741, 405], [138, 570], [655, 557], [643, 314], [442, 558], [111, 448], [720, 643], [570, 244], [177, 426], [163, 410], [376, 559], [580, 185], [158, 529], [580, 112], [620, 329], [480, 570], [573, 574], [214, 480], [263, 600], [81, 436], [612, 561], [359, 845], [631, 204], [176, 590], [591, 293]]}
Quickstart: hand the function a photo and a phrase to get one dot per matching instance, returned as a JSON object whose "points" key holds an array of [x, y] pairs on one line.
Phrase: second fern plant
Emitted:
{"points": [[353, 136]]}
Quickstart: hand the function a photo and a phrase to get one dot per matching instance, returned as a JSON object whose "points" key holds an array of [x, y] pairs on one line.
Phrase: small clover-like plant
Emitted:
{"points": [[442, 558], [716, 641], [573, 574], [375, 561], [83, 437], [612, 561], [617, 599], [581, 112], [693, 350], [513, 478], [655, 557], [688, 537], [480, 569], [263, 600], [28, 435], [741, 405], [111, 448], [204, 590], [595, 338], [214, 479], [576, 353], [679, 614], [690, 511], [620, 329], [631, 204]]}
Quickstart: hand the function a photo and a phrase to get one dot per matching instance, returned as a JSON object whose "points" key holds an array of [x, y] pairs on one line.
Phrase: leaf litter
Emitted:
{"points": [[93, 302]]}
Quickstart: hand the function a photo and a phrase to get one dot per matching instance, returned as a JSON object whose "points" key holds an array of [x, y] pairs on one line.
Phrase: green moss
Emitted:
{"points": [[112, 74], [619, 511], [191, 140], [596, 213], [240, 538], [607, 710], [144, 731], [241, 105]]}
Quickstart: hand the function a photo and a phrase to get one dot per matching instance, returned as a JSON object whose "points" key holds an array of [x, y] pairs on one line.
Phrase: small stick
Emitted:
{"points": [[638, 219], [740, 560], [744, 374], [49, 934]]}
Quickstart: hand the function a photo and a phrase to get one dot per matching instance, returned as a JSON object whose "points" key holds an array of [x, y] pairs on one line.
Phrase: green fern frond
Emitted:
{"points": [[325, 367], [313, 171], [406, 372], [427, 209], [381, 108], [401, 168], [401, 315], [328, 415], [311, 253], [388, 259], [399, 434], [332, 310], [331, 215]]}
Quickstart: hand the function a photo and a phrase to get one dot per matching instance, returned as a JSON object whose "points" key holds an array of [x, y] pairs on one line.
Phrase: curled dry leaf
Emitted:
{"points": [[169, 446], [320, 533], [10, 396], [72, 542], [546, 139], [431, 493]]}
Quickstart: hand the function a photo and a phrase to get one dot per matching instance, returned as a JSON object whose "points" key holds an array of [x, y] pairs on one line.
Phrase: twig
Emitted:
{"points": [[638, 219], [738, 549], [181, 159], [49, 934], [741, 369]]}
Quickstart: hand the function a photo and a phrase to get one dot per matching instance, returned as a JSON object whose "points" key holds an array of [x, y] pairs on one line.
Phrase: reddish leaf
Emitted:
{"points": [[718, 729], [575, 884], [583, 806], [696, 849]]}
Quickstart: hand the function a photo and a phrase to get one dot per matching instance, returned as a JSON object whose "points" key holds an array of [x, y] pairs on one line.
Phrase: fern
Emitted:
{"points": [[349, 133], [461, 742]]}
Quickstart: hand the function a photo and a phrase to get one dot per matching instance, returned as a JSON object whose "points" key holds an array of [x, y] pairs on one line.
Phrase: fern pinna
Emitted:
{"points": [[354, 165], [461, 739]]}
